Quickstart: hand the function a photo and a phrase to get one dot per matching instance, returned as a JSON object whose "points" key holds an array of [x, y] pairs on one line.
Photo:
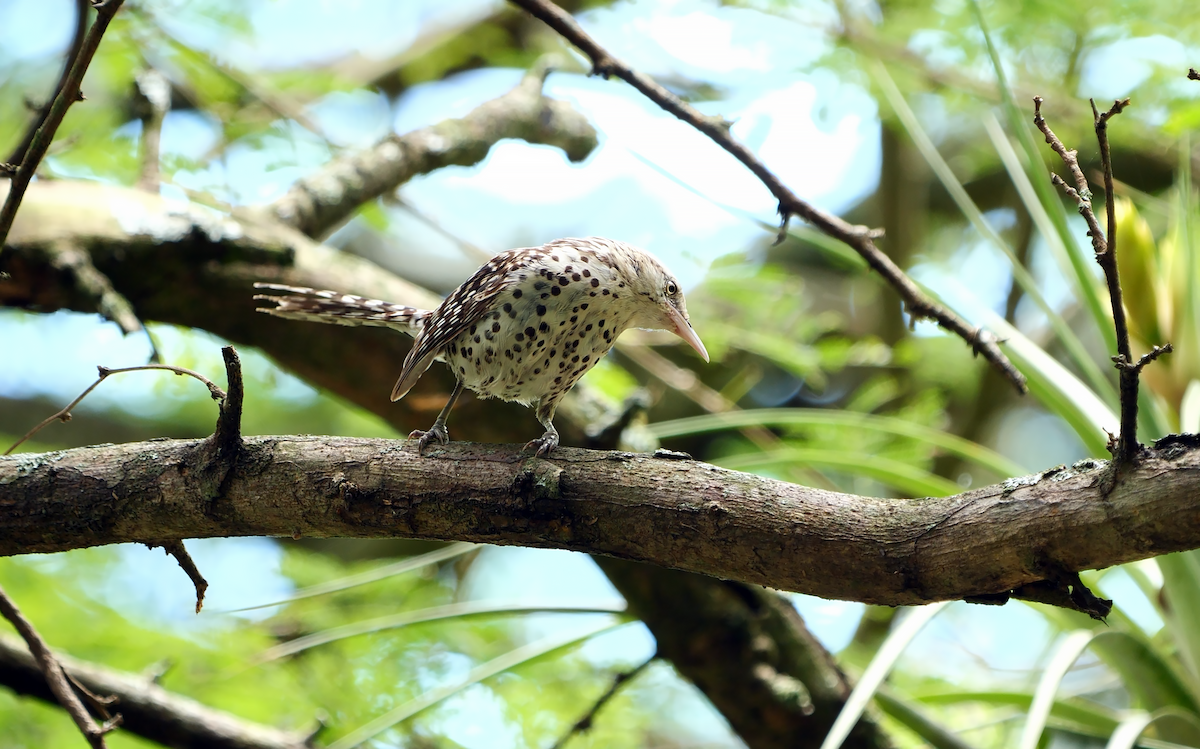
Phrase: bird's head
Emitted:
{"points": [[660, 302]]}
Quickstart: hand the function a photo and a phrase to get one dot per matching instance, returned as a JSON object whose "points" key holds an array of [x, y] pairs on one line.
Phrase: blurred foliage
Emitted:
{"points": [[795, 327]]}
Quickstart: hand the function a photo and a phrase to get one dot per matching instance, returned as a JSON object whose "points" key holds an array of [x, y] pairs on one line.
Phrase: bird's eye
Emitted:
{"points": [[672, 289]]}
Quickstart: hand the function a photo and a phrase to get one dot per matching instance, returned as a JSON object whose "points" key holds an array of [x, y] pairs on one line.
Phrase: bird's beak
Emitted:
{"points": [[683, 329]]}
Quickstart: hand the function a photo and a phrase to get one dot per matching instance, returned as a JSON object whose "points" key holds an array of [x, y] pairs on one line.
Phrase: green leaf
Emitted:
{"points": [[432, 614], [1064, 657], [877, 670], [910, 714], [1181, 587], [370, 576], [1054, 229], [1058, 389], [815, 417], [1145, 672], [903, 476], [958, 194], [1131, 728], [509, 660]]}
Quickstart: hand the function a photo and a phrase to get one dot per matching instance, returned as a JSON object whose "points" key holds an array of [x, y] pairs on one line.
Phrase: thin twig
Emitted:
{"points": [[860, 238], [1104, 244], [81, 26], [176, 549], [585, 722], [55, 676], [65, 414], [68, 93]]}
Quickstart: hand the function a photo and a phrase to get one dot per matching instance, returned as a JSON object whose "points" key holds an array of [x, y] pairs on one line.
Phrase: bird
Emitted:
{"points": [[524, 327]]}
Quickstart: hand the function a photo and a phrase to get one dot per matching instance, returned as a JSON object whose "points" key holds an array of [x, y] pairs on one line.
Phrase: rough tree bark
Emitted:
{"points": [[673, 513]]}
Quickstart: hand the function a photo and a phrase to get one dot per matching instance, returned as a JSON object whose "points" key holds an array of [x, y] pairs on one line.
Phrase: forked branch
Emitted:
{"points": [[1104, 244]]}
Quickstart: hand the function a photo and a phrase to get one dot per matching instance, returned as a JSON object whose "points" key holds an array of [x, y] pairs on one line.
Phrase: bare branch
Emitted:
{"points": [[677, 513], [318, 203], [65, 414], [81, 26], [1104, 245], [860, 238], [148, 710], [68, 94], [179, 551], [585, 722], [55, 677]]}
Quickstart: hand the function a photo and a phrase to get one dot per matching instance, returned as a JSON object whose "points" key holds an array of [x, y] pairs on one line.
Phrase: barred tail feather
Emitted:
{"points": [[302, 303]]}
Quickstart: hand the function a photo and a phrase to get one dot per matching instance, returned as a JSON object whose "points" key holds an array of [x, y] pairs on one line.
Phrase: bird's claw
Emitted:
{"points": [[542, 445], [436, 432]]}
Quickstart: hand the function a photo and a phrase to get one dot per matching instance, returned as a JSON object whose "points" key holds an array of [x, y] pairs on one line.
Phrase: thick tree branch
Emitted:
{"points": [[860, 238], [147, 709], [318, 203], [671, 513]]}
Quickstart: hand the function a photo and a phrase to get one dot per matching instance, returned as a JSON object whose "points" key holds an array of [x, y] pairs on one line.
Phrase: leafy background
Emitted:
{"points": [[909, 116]]}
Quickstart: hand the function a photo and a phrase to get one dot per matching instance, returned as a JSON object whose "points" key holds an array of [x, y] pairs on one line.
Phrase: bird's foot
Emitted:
{"points": [[437, 432], [542, 445]]}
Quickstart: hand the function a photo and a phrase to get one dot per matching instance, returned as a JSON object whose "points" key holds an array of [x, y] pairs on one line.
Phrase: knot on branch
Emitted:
{"points": [[1123, 363]]}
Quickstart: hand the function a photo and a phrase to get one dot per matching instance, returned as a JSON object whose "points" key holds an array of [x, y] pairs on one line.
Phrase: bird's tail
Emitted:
{"points": [[302, 303]]}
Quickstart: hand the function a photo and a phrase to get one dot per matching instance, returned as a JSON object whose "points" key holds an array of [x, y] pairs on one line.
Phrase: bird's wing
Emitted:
{"points": [[471, 301]]}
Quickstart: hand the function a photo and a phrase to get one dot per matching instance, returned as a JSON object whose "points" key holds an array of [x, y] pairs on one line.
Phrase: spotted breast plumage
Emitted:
{"points": [[525, 327]]}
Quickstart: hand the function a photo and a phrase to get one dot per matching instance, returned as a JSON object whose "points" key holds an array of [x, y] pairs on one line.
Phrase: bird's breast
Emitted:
{"points": [[538, 340]]}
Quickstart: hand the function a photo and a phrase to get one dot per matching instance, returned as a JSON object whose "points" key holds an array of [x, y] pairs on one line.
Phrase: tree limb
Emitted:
{"points": [[680, 514], [321, 201], [148, 710]]}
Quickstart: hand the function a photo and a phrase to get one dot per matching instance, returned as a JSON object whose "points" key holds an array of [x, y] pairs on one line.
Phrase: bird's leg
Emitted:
{"points": [[549, 440], [438, 431]]}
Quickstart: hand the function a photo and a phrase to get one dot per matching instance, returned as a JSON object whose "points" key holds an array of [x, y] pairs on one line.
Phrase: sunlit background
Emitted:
{"points": [[801, 95]]}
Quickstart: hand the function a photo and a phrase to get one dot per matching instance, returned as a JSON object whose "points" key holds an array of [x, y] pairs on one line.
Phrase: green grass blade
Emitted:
{"points": [[432, 614], [909, 714], [1074, 347], [907, 478], [1056, 388], [877, 670], [509, 660], [818, 417], [1076, 259], [1144, 671], [369, 576], [1131, 728], [1181, 585], [1102, 720], [1043, 697]]}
